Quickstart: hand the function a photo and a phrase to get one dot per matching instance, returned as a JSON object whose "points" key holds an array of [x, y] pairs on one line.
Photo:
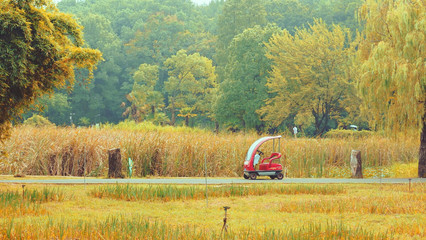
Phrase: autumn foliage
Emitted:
{"points": [[39, 49]]}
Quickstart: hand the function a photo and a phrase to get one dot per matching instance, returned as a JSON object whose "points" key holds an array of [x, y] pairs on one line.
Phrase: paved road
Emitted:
{"points": [[212, 180]]}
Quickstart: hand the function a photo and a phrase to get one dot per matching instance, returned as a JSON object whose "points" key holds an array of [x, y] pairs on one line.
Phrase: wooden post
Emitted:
{"points": [[114, 163], [356, 164]]}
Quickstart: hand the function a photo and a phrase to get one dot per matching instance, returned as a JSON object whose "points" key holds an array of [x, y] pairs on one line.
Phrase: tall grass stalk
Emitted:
{"points": [[137, 227], [170, 192], [15, 203], [180, 152]]}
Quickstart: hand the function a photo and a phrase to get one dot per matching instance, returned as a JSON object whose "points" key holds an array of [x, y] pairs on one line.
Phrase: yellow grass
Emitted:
{"points": [[177, 152], [359, 211]]}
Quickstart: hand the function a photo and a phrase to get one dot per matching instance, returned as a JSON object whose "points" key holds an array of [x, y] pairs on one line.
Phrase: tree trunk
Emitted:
{"points": [[114, 162], [173, 114], [356, 164], [422, 151]]}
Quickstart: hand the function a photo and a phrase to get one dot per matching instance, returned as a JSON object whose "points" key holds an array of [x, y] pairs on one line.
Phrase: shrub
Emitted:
{"points": [[38, 121], [84, 121], [341, 133]]}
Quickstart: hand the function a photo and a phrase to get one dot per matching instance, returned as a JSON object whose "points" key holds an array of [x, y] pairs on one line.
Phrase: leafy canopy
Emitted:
{"points": [[144, 98], [191, 80], [39, 49], [310, 75], [393, 83], [243, 90]]}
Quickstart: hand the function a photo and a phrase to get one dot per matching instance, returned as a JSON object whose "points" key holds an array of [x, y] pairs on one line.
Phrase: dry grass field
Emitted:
{"points": [[280, 211], [181, 152]]}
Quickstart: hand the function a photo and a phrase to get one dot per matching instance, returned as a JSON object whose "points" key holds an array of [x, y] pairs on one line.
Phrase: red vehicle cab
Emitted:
{"points": [[254, 167]]}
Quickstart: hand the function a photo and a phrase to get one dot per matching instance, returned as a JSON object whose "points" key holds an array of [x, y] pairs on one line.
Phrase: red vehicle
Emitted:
{"points": [[254, 167]]}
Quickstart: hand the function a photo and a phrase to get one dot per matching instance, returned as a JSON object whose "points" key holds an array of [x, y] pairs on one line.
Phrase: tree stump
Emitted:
{"points": [[114, 162], [356, 164]]}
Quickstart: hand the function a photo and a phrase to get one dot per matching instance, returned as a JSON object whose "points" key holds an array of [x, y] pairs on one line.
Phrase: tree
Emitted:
{"points": [[243, 90], [288, 14], [191, 80], [55, 107], [393, 83], [341, 12], [109, 76], [144, 98], [310, 76], [39, 49], [236, 16], [162, 35]]}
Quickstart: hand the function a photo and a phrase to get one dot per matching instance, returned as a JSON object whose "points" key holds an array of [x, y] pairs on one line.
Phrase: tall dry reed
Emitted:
{"points": [[182, 152]]}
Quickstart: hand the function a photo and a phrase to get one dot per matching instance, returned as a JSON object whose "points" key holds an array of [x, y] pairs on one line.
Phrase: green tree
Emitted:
{"points": [[162, 36], [310, 77], [292, 14], [110, 75], [288, 14], [100, 99], [393, 82], [39, 49], [130, 33], [191, 80], [243, 91], [55, 107], [236, 16], [144, 98]]}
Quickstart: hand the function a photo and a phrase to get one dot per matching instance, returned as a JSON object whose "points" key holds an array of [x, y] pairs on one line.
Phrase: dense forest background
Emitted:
{"points": [[216, 66]]}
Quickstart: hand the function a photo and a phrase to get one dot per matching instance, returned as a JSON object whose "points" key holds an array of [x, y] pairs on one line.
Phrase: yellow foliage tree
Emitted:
{"points": [[39, 49], [393, 82], [311, 75]]}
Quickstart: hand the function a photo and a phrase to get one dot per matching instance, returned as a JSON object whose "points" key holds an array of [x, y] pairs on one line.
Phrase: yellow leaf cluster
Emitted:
{"points": [[39, 49], [393, 83], [310, 74]]}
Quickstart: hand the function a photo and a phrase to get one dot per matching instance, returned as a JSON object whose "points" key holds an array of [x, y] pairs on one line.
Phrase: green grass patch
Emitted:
{"points": [[261, 211], [138, 227], [172, 193], [28, 201]]}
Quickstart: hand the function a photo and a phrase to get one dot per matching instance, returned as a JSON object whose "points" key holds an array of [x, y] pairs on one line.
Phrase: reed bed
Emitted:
{"points": [[173, 193], [17, 203], [141, 228], [183, 152]]}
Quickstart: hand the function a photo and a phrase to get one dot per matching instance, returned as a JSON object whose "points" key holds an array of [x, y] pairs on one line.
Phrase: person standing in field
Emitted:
{"points": [[295, 131]]}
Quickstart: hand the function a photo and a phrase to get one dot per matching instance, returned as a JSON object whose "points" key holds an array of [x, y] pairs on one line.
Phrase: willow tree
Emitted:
{"points": [[311, 76], [393, 83], [39, 49]]}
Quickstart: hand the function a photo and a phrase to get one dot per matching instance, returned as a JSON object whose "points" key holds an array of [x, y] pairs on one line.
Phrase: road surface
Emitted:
{"points": [[209, 180]]}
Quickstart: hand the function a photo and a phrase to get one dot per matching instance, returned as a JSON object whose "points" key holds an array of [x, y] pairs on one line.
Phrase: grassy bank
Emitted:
{"points": [[348, 211], [183, 151]]}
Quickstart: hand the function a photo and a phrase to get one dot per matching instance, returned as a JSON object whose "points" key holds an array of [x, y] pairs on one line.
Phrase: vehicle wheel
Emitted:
{"points": [[280, 176], [273, 177], [245, 176], [253, 176]]}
